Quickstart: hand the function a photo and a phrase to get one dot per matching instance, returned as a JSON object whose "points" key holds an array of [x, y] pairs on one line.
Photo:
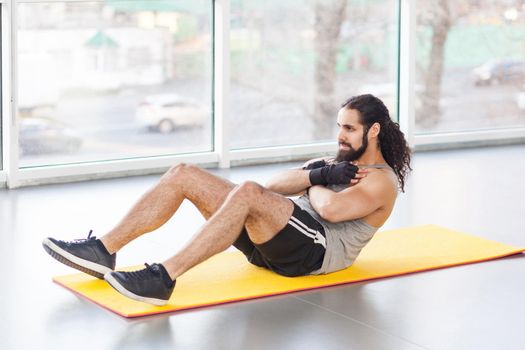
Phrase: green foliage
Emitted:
{"points": [[472, 45]]}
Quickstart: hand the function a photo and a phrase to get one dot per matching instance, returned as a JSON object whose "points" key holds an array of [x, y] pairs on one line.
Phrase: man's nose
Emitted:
{"points": [[340, 136]]}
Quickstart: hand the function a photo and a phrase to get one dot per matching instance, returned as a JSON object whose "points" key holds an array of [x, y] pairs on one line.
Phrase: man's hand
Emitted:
{"points": [[334, 174], [314, 165]]}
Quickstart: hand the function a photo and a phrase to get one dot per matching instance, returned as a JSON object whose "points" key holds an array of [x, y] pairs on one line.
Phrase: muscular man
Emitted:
{"points": [[341, 207]]}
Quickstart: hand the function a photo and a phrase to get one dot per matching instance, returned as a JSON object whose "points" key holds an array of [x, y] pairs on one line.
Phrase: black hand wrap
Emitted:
{"points": [[335, 174], [315, 165]]}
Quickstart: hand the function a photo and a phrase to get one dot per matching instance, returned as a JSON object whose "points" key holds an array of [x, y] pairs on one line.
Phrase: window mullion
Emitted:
{"points": [[407, 58], [221, 89], [10, 93]]}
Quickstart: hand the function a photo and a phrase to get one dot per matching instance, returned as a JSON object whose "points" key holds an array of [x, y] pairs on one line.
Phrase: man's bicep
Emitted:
{"points": [[357, 202]]}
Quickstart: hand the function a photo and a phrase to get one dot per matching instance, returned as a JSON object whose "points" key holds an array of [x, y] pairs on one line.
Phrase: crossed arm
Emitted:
{"points": [[290, 182], [295, 181], [364, 197], [352, 203]]}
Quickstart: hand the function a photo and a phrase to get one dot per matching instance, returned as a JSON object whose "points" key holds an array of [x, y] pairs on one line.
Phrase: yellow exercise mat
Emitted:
{"points": [[228, 277]]}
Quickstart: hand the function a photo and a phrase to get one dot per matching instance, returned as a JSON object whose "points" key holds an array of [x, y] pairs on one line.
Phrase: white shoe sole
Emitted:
{"points": [[115, 284], [71, 260]]}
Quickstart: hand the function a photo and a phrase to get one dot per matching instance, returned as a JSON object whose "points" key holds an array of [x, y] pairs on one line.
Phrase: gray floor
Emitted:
{"points": [[480, 306]]}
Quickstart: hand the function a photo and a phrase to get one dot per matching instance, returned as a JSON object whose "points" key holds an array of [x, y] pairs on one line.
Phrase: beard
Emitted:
{"points": [[352, 154]]}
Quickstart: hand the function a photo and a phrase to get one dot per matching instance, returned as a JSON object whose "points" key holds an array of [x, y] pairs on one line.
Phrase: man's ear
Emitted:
{"points": [[374, 130]]}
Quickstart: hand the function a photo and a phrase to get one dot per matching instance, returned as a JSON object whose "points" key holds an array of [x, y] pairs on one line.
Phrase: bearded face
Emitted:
{"points": [[352, 154]]}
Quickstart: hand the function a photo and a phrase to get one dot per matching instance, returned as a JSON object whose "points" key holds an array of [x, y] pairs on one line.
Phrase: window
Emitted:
{"points": [[113, 79], [99, 81], [470, 65], [293, 63], [1, 99]]}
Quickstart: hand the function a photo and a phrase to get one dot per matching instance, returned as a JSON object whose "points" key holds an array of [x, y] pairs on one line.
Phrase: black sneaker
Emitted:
{"points": [[87, 255], [151, 285]]}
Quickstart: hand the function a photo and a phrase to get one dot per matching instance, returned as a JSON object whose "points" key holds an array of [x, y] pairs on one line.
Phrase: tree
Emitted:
{"points": [[438, 17], [329, 16]]}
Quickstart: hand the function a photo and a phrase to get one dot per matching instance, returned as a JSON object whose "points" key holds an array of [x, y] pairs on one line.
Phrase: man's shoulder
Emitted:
{"points": [[380, 182]]}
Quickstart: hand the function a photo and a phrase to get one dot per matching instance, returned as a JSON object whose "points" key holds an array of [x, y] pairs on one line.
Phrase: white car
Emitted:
{"points": [[499, 72], [520, 99], [387, 92], [166, 112]]}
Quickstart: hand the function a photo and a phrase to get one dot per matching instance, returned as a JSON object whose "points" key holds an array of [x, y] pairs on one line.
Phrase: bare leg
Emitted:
{"points": [[265, 213], [205, 190]]}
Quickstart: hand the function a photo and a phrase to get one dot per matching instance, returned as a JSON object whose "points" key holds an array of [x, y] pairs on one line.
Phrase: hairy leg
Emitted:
{"points": [[205, 190], [265, 213]]}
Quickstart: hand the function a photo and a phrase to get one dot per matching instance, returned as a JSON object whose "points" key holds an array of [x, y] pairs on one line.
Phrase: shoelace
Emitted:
{"points": [[144, 273], [81, 240]]}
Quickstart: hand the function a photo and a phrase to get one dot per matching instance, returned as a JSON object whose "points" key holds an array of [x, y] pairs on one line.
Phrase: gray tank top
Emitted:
{"points": [[344, 240]]}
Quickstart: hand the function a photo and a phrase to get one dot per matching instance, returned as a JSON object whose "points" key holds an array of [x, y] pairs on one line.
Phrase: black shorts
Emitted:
{"points": [[296, 250]]}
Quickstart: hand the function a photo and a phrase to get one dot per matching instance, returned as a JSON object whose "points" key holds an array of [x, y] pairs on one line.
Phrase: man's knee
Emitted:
{"points": [[248, 190], [179, 170]]}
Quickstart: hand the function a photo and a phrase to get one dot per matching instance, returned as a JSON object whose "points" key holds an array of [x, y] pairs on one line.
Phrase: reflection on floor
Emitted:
{"points": [[478, 306]]}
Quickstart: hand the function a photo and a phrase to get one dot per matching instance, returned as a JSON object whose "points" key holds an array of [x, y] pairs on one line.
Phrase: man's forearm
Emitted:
{"points": [[320, 196], [294, 181], [320, 199], [290, 182]]}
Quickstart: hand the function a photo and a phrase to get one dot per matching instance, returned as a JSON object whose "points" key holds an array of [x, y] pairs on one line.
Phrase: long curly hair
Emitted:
{"points": [[391, 141]]}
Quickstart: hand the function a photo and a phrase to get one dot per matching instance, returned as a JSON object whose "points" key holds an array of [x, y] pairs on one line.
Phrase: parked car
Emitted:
{"points": [[166, 112], [388, 93], [42, 135], [500, 72], [520, 98]]}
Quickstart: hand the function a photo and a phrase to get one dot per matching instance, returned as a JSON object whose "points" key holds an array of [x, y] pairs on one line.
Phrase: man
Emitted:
{"points": [[321, 231]]}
